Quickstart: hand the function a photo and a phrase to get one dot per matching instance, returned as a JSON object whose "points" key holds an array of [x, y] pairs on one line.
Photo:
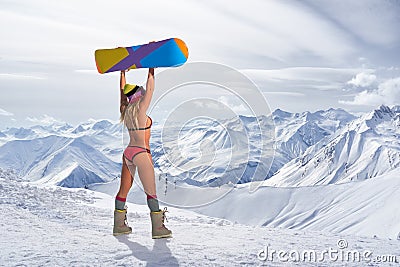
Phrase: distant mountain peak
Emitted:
{"points": [[384, 109], [396, 109], [101, 125], [281, 113], [383, 113]]}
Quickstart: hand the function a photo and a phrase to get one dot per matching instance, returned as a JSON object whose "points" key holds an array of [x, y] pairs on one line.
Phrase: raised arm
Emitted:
{"points": [[146, 99], [123, 98]]}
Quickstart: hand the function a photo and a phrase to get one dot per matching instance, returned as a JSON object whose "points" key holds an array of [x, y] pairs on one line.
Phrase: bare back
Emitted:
{"points": [[140, 136]]}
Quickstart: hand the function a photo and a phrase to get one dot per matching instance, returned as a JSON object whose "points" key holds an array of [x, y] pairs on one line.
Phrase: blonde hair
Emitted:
{"points": [[130, 115]]}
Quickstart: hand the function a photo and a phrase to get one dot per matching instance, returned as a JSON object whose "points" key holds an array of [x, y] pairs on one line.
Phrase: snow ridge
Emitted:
{"points": [[366, 147]]}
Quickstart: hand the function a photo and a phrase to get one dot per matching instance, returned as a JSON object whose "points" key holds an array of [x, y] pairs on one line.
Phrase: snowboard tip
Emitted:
{"points": [[182, 46]]}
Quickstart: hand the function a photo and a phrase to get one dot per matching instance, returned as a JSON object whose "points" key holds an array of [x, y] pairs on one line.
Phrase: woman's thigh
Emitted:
{"points": [[144, 164]]}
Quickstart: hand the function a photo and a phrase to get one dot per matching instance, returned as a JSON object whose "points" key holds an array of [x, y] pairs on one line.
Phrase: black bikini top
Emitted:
{"points": [[143, 128]]}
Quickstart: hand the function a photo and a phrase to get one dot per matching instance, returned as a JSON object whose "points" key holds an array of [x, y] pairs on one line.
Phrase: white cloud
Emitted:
{"points": [[83, 71], [373, 21], [234, 104], [363, 79], [5, 113], [299, 79], [44, 120], [16, 76], [48, 41], [313, 74], [387, 93], [266, 30], [294, 94]]}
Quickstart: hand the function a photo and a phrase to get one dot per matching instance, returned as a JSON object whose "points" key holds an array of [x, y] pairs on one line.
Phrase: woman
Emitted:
{"points": [[134, 104]]}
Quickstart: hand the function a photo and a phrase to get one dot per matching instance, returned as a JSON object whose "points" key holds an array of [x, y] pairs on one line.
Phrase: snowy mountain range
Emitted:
{"points": [[326, 171], [366, 147], [214, 154], [307, 148], [63, 155]]}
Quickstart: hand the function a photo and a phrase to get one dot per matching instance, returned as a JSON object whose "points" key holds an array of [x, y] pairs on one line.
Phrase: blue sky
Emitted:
{"points": [[303, 55]]}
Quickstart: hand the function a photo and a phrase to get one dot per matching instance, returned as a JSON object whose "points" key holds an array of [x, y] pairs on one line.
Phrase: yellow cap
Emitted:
{"points": [[130, 88]]}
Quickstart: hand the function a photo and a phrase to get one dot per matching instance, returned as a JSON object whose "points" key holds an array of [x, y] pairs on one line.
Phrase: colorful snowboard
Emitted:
{"points": [[171, 52]]}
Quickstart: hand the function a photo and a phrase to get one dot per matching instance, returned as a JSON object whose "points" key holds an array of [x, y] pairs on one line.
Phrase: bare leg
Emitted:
{"points": [[120, 221], [145, 167], [127, 176]]}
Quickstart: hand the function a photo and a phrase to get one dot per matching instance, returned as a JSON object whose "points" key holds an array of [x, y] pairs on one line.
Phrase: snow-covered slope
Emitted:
{"points": [[55, 154], [101, 134], [365, 148], [209, 153], [53, 226], [366, 208], [296, 132], [57, 160]]}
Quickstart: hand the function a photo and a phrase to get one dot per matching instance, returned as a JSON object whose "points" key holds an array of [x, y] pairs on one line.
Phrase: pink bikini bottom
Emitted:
{"points": [[131, 152]]}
